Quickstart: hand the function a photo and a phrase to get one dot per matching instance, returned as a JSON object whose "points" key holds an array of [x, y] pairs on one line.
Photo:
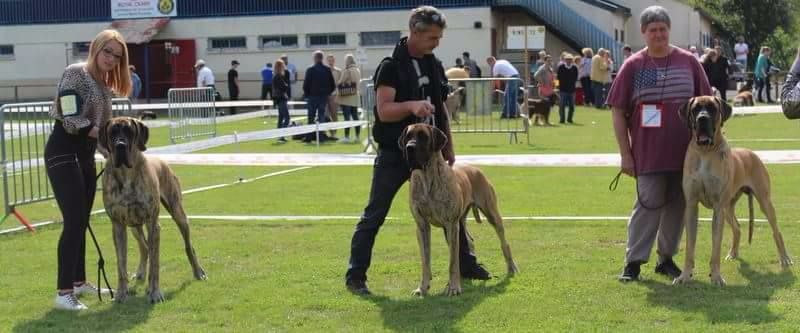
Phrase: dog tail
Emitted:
{"points": [[476, 213], [750, 227]]}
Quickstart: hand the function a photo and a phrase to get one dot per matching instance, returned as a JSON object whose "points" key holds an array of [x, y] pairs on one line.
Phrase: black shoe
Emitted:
{"points": [[630, 273], [476, 272], [667, 267], [358, 287]]}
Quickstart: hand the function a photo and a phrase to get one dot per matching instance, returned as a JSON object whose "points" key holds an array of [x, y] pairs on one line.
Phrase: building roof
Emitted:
{"points": [[610, 6]]}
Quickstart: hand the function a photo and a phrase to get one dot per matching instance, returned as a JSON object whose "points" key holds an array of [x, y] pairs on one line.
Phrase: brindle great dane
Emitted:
{"points": [[442, 196], [133, 187]]}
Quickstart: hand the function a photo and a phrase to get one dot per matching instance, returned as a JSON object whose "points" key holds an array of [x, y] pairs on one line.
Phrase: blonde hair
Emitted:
{"points": [[119, 78], [587, 52], [349, 60], [279, 67]]}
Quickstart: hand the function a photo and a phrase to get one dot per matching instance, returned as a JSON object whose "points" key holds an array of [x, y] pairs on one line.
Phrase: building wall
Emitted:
{"points": [[687, 24], [611, 23], [42, 62]]}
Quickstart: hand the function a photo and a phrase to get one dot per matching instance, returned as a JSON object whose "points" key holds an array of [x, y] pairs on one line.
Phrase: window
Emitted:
{"points": [[227, 43], [622, 36], [379, 38], [327, 40], [269, 42], [7, 52], [616, 35], [80, 49]]}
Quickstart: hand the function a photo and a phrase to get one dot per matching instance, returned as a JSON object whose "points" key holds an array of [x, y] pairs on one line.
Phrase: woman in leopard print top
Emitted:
{"points": [[82, 106]]}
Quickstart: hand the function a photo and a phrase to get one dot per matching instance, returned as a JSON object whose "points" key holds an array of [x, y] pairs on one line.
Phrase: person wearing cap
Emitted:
{"points": [[205, 77], [233, 83]]}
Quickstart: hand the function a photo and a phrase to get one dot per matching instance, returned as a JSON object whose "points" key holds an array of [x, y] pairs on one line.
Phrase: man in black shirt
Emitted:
{"points": [[318, 85], [233, 83], [411, 88]]}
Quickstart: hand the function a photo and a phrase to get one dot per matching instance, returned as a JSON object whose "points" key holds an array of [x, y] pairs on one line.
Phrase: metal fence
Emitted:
{"points": [[192, 113], [24, 133], [478, 106], [475, 106]]}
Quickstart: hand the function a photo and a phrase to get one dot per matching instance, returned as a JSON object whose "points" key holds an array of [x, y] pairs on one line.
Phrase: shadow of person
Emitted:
{"points": [[114, 318], [436, 312], [747, 303]]}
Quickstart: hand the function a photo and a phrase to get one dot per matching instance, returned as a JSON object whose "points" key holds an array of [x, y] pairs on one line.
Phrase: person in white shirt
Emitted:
{"points": [[503, 68], [205, 77], [741, 49]]}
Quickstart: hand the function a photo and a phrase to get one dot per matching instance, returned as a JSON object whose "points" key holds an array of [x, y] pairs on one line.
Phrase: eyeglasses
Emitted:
{"points": [[110, 53]]}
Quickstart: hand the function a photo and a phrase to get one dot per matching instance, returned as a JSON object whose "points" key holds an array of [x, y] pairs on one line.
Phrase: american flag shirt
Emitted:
{"points": [[669, 81]]}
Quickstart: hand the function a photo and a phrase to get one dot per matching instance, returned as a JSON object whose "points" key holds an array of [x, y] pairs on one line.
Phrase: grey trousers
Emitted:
{"points": [[666, 223]]}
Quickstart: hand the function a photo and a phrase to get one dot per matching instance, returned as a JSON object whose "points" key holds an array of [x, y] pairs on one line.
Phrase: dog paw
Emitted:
{"points": [[121, 295], [732, 256], [138, 276], [421, 291], [786, 261], [717, 280], [512, 269], [684, 278], [156, 296], [200, 274], [453, 289]]}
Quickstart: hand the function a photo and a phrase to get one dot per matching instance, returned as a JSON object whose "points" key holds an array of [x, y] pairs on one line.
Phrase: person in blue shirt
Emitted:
{"points": [[136, 82], [266, 81], [762, 73]]}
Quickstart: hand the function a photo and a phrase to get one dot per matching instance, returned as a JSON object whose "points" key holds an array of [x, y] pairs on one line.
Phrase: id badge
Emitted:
{"points": [[652, 115], [70, 103]]}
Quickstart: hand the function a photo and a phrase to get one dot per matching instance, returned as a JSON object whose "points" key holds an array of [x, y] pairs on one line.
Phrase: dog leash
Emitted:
{"points": [[101, 261]]}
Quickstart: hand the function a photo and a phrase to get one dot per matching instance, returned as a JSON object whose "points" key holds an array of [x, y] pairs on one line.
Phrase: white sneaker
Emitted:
{"points": [[69, 302], [344, 140], [89, 289]]}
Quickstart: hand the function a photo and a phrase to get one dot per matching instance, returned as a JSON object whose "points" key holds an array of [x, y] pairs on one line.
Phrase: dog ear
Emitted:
{"points": [[438, 139], [724, 108], [102, 135], [142, 135], [684, 112]]}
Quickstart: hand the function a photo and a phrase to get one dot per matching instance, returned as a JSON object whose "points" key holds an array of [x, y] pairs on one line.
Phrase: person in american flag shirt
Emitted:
{"points": [[645, 98]]}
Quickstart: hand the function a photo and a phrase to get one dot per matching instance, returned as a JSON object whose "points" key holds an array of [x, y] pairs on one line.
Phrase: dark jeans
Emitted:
{"points": [[283, 113], [266, 91], [761, 84], [723, 90], [567, 101], [588, 93], [598, 94], [350, 113], [234, 97], [71, 170], [317, 105], [389, 173]]}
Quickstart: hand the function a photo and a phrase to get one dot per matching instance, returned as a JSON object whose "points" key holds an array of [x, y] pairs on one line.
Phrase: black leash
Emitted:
{"points": [[100, 262], [615, 182]]}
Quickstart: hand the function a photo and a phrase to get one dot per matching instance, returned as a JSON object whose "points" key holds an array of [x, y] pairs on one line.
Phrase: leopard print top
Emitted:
{"points": [[95, 99]]}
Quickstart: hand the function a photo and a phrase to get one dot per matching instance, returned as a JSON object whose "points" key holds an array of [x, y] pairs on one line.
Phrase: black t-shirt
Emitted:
{"points": [[232, 76], [387, 133]]}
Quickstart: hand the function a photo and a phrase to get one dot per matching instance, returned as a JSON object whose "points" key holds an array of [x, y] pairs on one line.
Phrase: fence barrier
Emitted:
{"points": [[192, 113], [23, 135]]}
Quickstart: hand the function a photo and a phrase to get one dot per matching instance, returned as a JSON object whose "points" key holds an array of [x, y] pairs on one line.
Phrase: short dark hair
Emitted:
{"points": [[626, 47], [654, 14], [423, 17], [465, 54]]}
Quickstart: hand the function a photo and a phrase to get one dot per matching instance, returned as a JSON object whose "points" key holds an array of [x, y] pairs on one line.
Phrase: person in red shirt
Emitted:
{"points": [[645, 98]]}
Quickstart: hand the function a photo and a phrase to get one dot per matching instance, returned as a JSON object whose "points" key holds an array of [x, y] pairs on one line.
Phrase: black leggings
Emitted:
{"points": [[71, 170]]}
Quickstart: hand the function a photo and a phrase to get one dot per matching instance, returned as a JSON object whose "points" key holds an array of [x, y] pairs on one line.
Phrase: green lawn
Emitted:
{"points": [[288, 275]]}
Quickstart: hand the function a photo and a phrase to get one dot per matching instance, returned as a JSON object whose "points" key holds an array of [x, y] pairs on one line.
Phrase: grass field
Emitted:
{"points": [[288, 275]]}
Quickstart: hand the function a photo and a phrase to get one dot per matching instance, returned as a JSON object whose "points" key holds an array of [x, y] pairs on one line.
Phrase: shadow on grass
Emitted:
{"points": [[747, 303], [116, 318], [436, 312]]}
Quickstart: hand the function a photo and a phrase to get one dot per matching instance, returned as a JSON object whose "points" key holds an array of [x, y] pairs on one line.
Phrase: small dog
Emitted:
{"points": [[134, 186], [454, 103], [443, 196], [744, 97], [539, 110], [716, 176]]}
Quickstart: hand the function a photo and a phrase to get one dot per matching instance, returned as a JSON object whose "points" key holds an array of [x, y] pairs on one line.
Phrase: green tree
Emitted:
{"points": [[761, 22]]}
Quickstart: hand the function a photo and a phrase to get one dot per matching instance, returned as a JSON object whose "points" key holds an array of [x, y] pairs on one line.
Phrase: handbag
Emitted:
{"points": [[347, 89]]}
